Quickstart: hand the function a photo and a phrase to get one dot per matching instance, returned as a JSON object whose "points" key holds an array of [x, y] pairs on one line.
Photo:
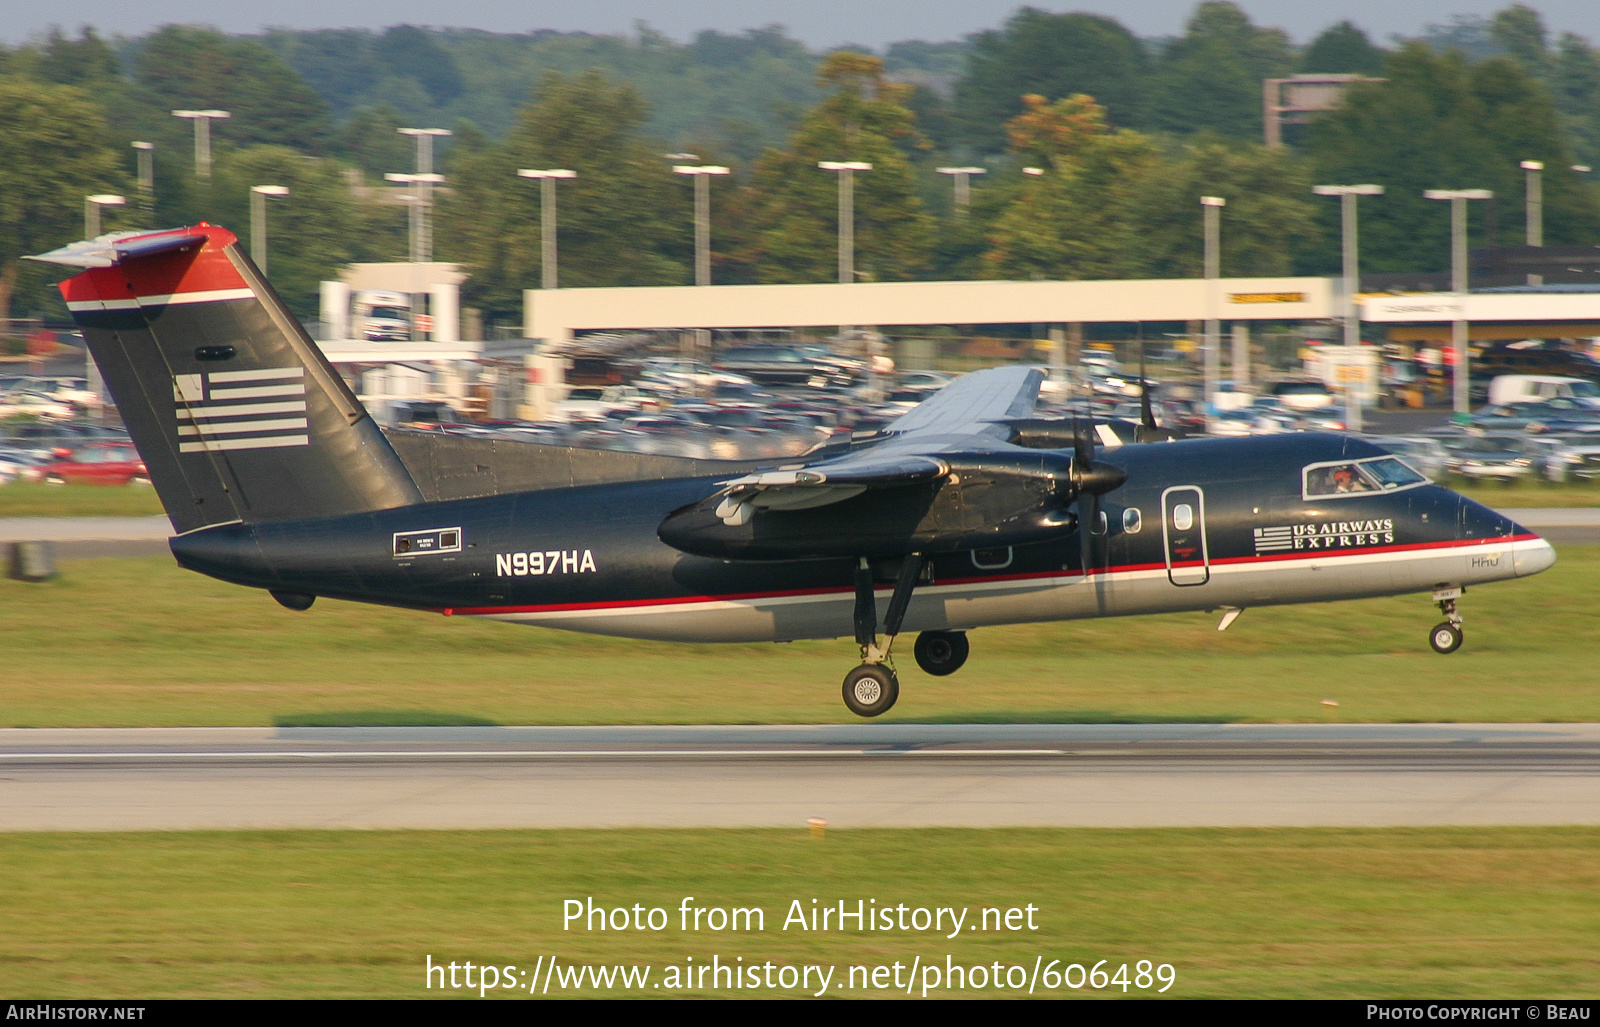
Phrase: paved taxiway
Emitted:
{"points": [[857, 775]]}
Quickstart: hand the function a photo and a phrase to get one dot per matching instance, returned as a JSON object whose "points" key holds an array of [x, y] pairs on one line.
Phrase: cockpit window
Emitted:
{"points": [[1392, 473], [1357, 477]]}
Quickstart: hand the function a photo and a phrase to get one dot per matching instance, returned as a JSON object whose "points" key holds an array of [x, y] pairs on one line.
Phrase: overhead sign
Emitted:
{"points": [[1266, 297]]}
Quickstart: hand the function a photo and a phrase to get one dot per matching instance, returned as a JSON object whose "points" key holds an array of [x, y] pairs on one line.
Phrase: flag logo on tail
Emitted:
{"points": [[221, 410]]}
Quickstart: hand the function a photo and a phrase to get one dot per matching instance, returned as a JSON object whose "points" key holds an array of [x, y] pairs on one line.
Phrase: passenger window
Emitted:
{"points": [[1183, 517], [1132, 521]]}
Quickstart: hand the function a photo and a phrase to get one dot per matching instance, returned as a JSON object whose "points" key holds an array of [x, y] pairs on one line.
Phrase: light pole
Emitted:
{"points": [[1458, 284], [424, 223], [847, 212], [91, 211], [1352, 282], [547, 219], [202, 138], [1212, 207], [418, 205], [1533, 198], [145, 153], [963, 185], [258, 221], [701, 173]]}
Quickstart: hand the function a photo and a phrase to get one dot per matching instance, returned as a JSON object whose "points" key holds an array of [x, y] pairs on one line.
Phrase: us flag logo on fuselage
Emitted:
{"points": [[1274, 540], [262, 409]]}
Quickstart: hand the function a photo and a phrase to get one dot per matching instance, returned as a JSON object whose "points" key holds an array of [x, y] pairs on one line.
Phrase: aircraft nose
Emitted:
{"points": [[1532, 556]]}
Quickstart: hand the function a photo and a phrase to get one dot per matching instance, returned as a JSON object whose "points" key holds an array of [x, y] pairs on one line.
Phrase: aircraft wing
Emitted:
{"points": [[973, 404], [945, 476]]}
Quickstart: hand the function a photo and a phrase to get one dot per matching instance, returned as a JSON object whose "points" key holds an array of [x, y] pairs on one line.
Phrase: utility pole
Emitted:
{"points": [[1459, 332], [425, 183], [202, 138], [963, 186], [1348, 195], [702, 175], [847, 213], [547, 219], [258, 221], [1212, 208]]}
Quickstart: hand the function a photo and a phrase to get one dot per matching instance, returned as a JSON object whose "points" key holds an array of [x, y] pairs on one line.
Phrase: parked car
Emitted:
{"points": [[99, 463], [1424, 455], [1560, 458], [1500, 457], [23, 465], [1306, 394], [789, 365], [34, 404]]}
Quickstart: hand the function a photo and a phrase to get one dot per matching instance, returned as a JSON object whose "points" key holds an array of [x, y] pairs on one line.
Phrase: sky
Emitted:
{"points": [[819, 23]]}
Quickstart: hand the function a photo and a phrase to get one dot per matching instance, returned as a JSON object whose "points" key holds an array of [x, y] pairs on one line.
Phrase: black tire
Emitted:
{"points": [[941, 652], [1445, 638], [870, 690]]}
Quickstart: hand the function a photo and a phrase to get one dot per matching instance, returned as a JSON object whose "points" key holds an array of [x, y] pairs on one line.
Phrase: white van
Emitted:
{"points": [[1536, 388]]}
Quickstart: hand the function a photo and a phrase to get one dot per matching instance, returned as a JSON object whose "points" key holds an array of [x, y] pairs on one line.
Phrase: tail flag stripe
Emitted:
{"points": [[243, 427], [215, 445]]}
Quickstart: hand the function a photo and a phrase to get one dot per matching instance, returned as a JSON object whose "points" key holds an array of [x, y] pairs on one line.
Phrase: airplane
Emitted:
{"points": [[965, 512]]}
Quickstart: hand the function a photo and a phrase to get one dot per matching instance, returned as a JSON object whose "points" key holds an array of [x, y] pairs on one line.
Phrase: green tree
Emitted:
{"points": [[1076, 220], [1211, 77], [372, 139], [1342, 49], [625, 220], [53, 139], [862, 118], [1440, 122], [1055, 56], [84, 61], [182, 66], [1518, 31], [310, 232], [1269, 225], [1574, 80]]}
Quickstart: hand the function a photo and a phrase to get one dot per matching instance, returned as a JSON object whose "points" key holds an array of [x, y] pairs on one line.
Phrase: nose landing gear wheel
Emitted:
{"points": [[941, 652], [870, 690], [1445, 638]]}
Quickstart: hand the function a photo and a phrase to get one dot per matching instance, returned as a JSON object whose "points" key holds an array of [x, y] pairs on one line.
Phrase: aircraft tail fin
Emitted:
{"points": [[233, 408]]}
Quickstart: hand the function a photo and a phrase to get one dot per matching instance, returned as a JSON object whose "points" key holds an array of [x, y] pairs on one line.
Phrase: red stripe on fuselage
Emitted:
{"points": [[1032, 576]]}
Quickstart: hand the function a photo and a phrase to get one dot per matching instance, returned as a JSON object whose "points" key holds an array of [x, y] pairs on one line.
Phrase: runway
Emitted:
{"points": [[856, 775]]}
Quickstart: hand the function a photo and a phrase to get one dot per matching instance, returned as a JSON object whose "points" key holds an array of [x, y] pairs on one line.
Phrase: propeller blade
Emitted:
{"points": [[1147, 417]]}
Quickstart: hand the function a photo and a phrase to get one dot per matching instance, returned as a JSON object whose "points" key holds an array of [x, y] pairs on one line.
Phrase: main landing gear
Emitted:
{"points": [[941, 652], [1446, 637], [872, 688]]}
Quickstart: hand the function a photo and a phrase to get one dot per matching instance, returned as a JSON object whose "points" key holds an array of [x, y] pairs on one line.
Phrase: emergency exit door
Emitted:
{"points": [[1183, 532]]}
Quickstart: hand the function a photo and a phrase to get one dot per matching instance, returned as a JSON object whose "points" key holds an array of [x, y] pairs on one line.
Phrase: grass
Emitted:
{"points": [[135, 642], [1331, 913], [20, 499], [1531, 493], [27, 499]]}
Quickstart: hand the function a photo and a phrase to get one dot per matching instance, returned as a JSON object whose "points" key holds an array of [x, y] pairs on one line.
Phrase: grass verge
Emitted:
{"points": [[28, 499], [1448, 913], [136, 642]]}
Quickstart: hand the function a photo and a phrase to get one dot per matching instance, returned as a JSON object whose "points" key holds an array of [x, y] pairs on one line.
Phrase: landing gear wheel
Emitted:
{"points": [[870, 690], [1445, 638], [941, 652]]}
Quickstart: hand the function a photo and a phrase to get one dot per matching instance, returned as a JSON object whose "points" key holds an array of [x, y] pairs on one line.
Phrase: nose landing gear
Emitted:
{"points": [[1446, 637]]}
